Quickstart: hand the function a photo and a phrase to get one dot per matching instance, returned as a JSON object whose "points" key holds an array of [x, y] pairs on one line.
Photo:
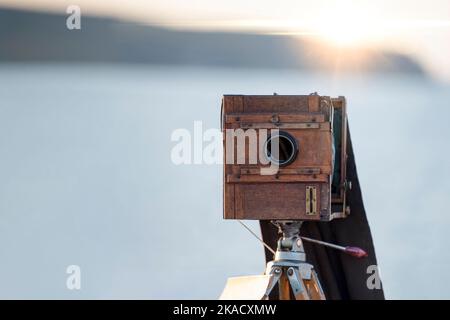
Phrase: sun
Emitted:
{"points": [[345, 27], [342, 33]]}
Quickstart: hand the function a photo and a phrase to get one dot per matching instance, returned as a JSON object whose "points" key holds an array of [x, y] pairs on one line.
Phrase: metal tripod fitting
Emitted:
{"points": [[289, 268]]}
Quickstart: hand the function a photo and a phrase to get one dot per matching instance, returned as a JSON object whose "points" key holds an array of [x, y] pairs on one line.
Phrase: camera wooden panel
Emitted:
{"points": [[300, 190]]}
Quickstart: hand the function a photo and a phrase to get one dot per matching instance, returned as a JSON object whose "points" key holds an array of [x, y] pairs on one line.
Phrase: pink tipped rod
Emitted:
{"points": [[352, 251], [355, 252]]}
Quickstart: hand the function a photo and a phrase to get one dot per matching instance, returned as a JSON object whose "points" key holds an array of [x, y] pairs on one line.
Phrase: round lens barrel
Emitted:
{"points": [[287, 148]]}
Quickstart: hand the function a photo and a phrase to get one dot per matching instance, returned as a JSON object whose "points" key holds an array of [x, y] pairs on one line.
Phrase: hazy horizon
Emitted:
{"points": [[408, 27]]}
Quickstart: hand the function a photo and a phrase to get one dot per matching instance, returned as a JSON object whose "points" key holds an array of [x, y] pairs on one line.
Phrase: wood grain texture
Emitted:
{"points": [[250, 195]]}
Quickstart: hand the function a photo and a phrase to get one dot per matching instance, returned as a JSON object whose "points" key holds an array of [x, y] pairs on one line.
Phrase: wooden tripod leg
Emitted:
{"points": [[297, 284], [314, 288], [283, 288]]}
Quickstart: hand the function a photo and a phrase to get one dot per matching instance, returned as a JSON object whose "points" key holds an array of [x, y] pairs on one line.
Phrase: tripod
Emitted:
{"points": [[295, 277], [289, 268]]}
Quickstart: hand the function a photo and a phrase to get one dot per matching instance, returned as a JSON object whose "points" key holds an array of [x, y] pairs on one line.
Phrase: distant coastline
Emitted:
{"points": [[28, 36]]}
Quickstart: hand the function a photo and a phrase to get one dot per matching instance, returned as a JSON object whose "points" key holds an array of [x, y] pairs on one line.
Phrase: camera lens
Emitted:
{"points": [[287, 148]]}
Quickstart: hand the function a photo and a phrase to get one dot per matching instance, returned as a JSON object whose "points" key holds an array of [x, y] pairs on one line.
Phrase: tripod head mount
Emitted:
{"points": [[289, 245]]}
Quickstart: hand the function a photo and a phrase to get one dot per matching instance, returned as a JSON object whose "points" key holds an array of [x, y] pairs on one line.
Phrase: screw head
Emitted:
{"points": [[275, 118]]}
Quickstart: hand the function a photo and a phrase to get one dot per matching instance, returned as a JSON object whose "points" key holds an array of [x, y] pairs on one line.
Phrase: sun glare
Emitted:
{"points": [[345, 27]]}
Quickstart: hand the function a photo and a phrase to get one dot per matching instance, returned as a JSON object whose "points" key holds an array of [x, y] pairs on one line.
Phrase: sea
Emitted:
{"points": [[88, 183]]}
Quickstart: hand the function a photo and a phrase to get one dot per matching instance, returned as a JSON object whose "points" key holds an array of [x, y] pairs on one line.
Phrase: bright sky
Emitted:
{"points": [[416, 27]]}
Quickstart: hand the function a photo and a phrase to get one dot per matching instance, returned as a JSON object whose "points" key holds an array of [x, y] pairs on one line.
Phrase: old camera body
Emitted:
{"points": [[299, 169]]}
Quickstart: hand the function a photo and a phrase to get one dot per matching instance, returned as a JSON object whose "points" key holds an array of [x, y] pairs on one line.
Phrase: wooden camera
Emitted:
{"points": [[309, 179]]}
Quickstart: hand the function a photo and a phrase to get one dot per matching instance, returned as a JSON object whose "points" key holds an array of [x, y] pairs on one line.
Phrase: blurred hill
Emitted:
{"points": [[37, 36]]}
